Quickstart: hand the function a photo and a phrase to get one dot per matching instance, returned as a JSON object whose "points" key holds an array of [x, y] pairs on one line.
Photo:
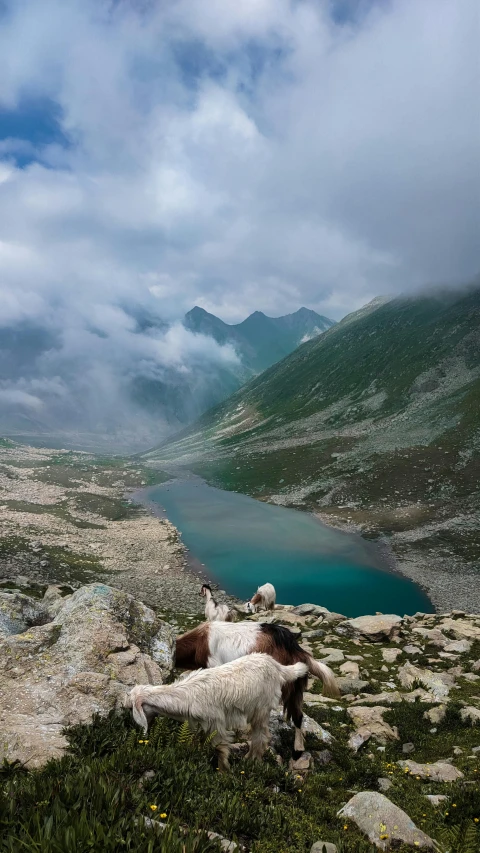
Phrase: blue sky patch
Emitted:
{"points": [[31, 125]]}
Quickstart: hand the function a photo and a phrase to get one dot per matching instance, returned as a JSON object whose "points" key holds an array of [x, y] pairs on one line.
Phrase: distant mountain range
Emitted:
{"points": [[92, 399], [260, 340]]}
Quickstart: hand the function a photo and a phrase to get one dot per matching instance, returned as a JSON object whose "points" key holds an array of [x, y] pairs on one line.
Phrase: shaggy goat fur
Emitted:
{"points": [[215, 612], [264, 599], [222, 700], [212, 644]]}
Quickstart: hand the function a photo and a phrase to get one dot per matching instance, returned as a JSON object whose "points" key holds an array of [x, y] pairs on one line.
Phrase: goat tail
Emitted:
{"points": [[322, 671], [139, 714], [295, 671]]}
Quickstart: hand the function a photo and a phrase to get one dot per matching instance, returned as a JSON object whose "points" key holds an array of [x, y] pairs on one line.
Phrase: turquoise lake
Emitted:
{"points": [[243, 543]]}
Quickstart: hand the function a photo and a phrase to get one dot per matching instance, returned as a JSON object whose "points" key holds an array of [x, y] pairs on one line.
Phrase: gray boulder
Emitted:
{"points": [[99, 644], [323, 847], [383, 822], [374, 628], [349, 685], [310, 610]]}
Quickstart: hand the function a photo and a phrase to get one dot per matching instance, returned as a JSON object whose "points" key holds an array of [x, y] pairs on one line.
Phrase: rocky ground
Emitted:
{"points": [[64, 519], [392, 764]]}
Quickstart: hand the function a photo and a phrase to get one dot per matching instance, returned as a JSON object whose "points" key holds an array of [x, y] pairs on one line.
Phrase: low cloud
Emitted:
{"points": [[260, 155]]}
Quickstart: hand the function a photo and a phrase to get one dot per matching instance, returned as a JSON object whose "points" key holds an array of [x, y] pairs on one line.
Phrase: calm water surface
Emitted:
{"points": [[244, 542]]}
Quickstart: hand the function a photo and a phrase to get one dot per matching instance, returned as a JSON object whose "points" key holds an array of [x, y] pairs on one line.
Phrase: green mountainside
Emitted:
{"points": [[376, 424]]}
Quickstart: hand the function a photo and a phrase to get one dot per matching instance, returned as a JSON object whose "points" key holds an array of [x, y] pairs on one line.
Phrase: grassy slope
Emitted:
{"points": [[394, 392], [96, 798]]}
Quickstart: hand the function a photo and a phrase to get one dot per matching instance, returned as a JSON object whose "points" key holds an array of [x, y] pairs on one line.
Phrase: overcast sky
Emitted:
{"points": [[236, 154], [263, 154]]}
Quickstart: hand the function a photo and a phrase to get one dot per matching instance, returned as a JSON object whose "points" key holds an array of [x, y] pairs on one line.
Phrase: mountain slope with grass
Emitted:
{"points": [[375, 424]]}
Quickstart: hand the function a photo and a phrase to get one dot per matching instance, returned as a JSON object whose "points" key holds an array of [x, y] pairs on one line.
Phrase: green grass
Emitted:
{"points": [[95, 798]]}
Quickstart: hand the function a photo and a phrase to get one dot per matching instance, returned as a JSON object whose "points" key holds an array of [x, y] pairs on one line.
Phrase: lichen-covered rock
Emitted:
{"points": [[439, 771], [374, 628], [383, 822], [18, 612], [100, 642]]}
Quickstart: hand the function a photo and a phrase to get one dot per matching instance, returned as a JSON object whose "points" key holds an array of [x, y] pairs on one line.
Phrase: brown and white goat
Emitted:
{"points": [[264, 599], [221, 700], [212, 644], [215, 612]]}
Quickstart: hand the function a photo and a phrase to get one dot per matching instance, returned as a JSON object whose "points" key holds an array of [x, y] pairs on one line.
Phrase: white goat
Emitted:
{"points": [[264, 599], [215, 612], [221, 700], [214, 643]]}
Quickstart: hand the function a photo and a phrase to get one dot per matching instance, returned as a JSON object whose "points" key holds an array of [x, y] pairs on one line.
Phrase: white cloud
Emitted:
{"points": [[240, 156]]}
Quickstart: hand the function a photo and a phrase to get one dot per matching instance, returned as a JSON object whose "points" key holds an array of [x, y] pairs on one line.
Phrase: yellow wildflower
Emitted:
{"points": [[154, 808], [164, 814]]}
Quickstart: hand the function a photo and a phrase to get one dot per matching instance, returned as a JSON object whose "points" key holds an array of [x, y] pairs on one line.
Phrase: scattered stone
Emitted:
{"points": [[436, 799], [459, 646], [471, 676], [302, 764], [379, 698], [278, 724], [369, 723], [390, 655], [384, 784], [310, 610], [323, 847], [347, 685], [350, 667], [383, 822], [432, 635], [470, 715], [407, 748], [374, 628], [439, 771], [436, 715], [457, 750], [461, 629], [412, 650], [332, 655], [438, 683], [323, 756], [310, 635]]}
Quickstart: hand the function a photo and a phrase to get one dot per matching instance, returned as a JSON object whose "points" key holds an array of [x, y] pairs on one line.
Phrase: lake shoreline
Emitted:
{"points": [[382, 557], [191, 565]]}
